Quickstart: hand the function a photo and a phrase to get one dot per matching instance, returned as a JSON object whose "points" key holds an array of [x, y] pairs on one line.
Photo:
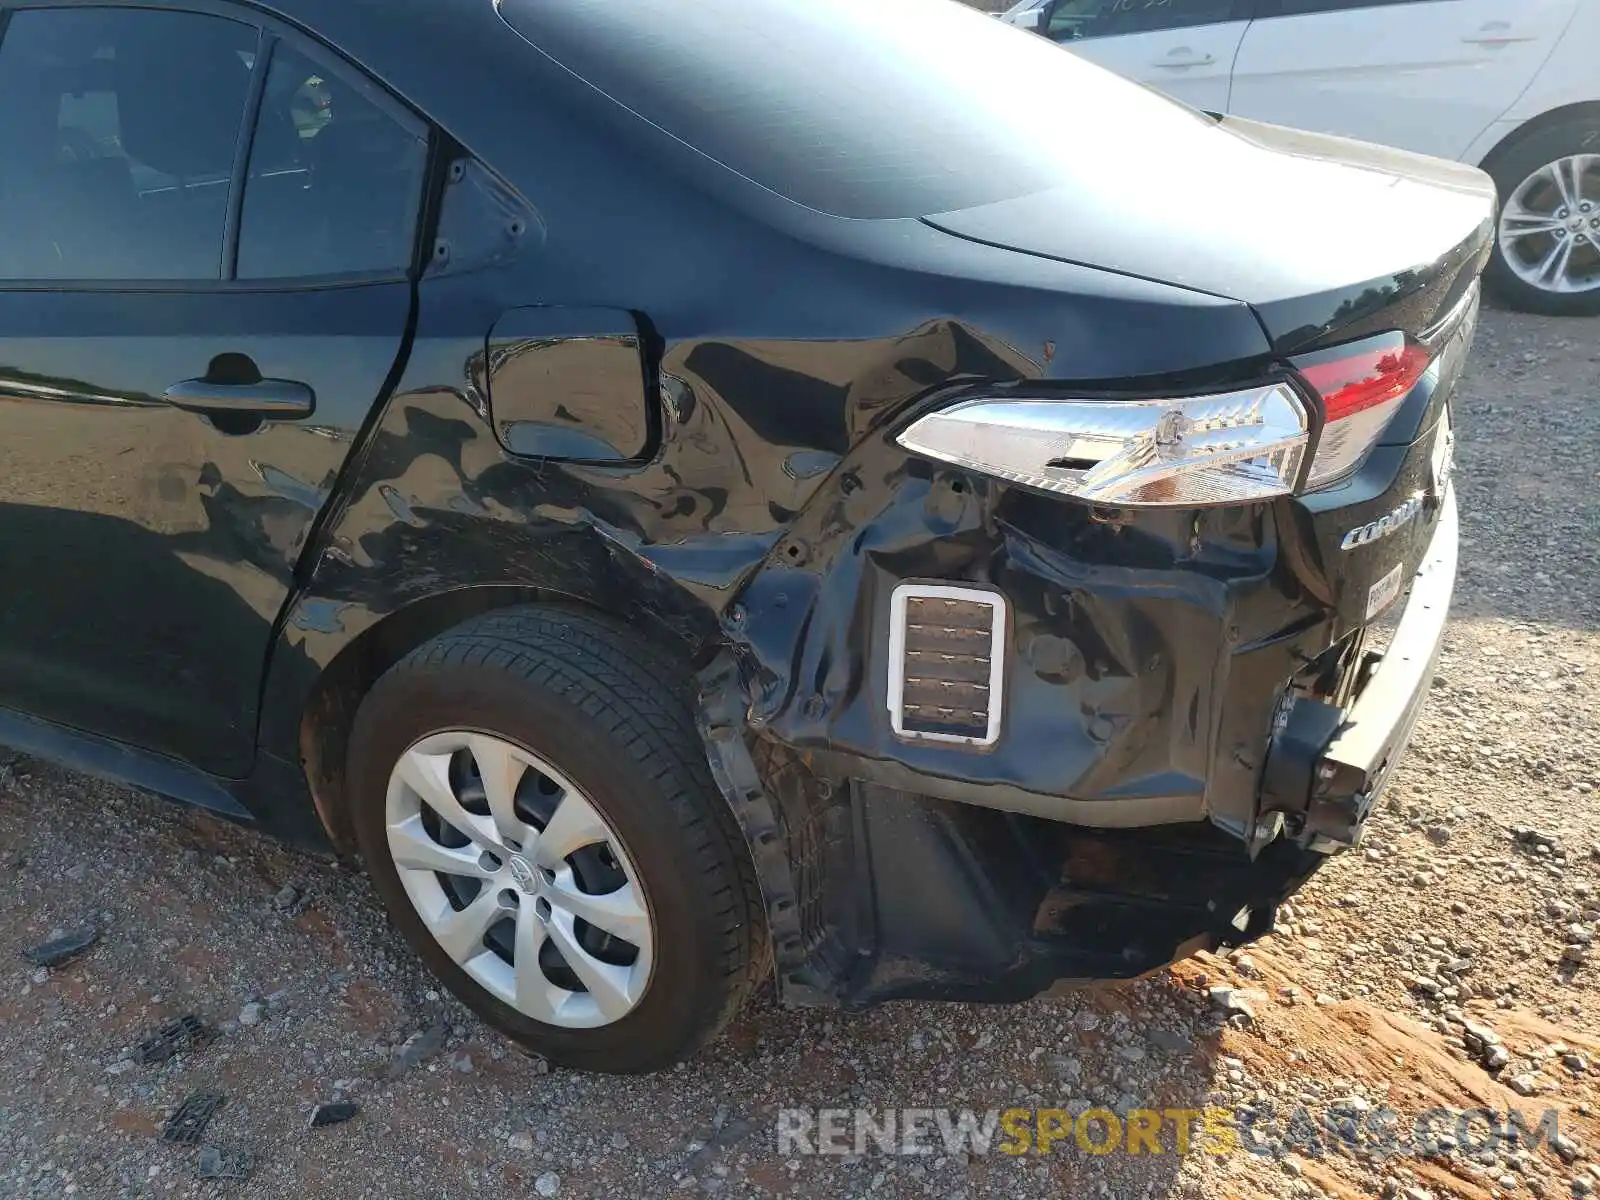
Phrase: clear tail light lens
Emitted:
{"points": [[1362, 387], [1204, 450]]}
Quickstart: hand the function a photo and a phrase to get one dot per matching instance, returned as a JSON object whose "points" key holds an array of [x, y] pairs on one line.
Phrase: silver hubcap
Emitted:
{"points": [[520, 879], [1550, 229]]}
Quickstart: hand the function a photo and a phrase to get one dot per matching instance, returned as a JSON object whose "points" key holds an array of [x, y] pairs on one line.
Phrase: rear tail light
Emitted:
{"points": [[1200, 450], [1362, 387], [1227, 448]]}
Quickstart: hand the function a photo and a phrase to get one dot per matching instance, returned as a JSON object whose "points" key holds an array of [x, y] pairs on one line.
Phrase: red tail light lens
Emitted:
{"points": [[1367, 379], [1361, 388]]}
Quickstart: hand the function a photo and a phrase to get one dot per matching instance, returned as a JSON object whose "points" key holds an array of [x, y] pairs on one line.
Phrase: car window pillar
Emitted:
{"points": [[265, 45]]}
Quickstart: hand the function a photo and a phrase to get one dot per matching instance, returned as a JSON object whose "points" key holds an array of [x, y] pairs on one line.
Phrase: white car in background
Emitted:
{"points": [[1509, 85]]}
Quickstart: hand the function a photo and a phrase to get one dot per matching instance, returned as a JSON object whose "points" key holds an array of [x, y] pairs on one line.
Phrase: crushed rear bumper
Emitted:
{"points": [[1329, 764]]}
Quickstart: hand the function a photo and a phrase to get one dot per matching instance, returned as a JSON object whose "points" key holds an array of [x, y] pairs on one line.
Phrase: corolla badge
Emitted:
{"points": [[1384, 526]]}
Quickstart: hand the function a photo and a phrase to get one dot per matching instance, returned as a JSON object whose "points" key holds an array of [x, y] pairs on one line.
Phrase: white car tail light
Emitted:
{"points": [[1202, 450]]}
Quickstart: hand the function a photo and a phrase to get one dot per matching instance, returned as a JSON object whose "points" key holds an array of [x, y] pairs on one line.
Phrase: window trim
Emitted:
{"points": [[266, 44], [1242, 10], [271, 31]]}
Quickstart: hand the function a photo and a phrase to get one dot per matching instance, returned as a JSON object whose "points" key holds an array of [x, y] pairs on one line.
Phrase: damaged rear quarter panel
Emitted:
{"points": [[758, 410], [775, 514]]}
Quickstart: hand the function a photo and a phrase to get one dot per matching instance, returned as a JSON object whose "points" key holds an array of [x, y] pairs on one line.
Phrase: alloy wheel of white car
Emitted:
{"points": [[1550, 226], [520, 879]]}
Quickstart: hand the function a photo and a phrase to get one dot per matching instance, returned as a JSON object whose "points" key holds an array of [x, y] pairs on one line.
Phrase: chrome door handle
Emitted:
{"points": [[1498, 33], [275, 399], [1180, 59]]}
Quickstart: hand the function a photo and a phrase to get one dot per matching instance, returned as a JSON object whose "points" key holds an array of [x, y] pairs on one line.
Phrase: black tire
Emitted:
{"points": [[615, 716], [1511, 166]]}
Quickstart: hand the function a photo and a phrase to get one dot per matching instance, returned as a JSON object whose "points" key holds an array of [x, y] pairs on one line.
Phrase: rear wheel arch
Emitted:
{"points": [[328, 714], [1532, 269], [1538, 124]]}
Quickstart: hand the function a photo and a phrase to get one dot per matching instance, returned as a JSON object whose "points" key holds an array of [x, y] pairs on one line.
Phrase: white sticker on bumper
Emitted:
{"points": [[1385, 592]]}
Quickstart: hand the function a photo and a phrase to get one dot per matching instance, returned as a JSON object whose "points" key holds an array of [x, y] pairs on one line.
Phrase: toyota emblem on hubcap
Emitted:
{"points": [[522, 872]]}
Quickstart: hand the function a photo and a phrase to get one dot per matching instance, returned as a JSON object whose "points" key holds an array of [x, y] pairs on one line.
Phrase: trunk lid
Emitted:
{"points": [[1327, 239]]}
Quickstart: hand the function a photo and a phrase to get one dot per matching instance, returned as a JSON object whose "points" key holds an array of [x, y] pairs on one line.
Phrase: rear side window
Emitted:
{"points": [[857, 108], [118, 130], [335, 182], [1072, 20]]}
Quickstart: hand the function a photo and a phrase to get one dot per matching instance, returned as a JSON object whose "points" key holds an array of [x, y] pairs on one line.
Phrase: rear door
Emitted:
{"points": [[205, 283], [1424, 75], [1185, 48]]}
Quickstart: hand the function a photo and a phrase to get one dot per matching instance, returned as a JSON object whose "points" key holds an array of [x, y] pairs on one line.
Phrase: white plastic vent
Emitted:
{"points": [[946, 661]]}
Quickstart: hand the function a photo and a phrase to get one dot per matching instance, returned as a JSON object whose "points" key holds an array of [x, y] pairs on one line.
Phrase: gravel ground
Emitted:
{"points": [[1446, 963]]}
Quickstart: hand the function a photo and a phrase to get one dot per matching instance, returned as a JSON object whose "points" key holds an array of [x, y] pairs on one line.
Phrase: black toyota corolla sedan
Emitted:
{"points": [[716, 489]]}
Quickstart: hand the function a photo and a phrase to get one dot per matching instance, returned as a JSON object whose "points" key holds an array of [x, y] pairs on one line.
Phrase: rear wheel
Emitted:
{"points": [[533, 802], [1547, 248]]}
